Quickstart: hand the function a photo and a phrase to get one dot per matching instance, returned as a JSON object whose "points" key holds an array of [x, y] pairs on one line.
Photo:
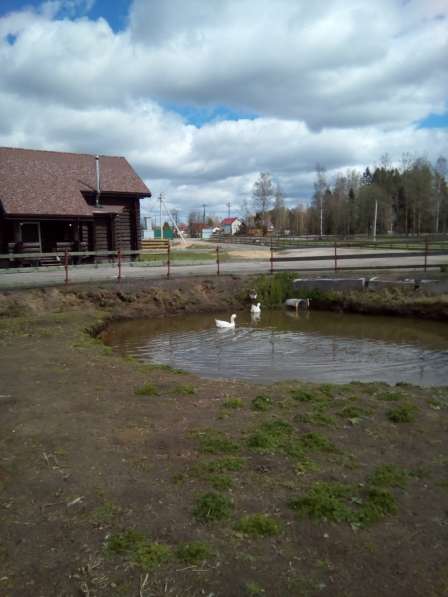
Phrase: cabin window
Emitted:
{"points": [[30, 232]]}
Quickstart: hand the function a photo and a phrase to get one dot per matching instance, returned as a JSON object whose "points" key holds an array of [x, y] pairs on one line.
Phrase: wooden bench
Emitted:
{"points": [[156, 243]]}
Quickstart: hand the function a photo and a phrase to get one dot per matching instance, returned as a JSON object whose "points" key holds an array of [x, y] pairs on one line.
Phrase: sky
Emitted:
{"points": [[202, 95]]}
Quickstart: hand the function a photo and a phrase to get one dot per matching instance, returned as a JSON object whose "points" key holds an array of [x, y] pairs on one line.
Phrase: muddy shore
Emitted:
{"points": [[118, 478]]}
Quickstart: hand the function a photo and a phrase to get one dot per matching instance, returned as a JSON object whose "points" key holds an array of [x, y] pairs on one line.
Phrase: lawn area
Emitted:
{"points": [[118, 478]]}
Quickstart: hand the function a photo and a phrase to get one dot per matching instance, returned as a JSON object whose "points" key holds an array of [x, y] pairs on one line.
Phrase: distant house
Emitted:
{"points": [[51, 200], [231, 225]]}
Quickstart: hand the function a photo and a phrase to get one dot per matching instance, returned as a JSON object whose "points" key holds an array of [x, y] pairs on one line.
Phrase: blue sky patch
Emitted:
{"points": [[202, 115], [115, 12], [434, 121]]}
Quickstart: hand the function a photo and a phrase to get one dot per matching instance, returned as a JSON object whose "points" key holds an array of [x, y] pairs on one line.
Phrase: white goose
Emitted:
{"points": [[255, 308], [226, 324]]}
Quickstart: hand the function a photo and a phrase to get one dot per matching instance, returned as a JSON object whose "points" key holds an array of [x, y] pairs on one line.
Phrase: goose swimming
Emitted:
{"points": [[226, 324]]}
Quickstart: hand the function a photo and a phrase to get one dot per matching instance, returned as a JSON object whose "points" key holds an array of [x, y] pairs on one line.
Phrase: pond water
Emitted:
{"points": [[314, 346]]}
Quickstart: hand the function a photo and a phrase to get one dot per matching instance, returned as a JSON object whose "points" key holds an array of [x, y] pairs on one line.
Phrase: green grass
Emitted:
{"points": [[279, 437], [233, 403], [258, 525], [225, 464], [274, 290], [317, 417], [160, 367], [390, 396], [338, 502], [105, 513], [138, 549], [253, 589], [184, 389], [193, 553], [406, 413], [219, 481], [215, 442], [388, 475], [212, 506], [352, 412], [148, 389], [261, 403], [302, 395]]}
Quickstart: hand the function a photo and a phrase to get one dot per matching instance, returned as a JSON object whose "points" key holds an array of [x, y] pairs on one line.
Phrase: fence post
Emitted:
{"points": [[335, 257], [272, 260], [168, 263], [66, 265], [217, 260], [426, 253], [119, 263]]}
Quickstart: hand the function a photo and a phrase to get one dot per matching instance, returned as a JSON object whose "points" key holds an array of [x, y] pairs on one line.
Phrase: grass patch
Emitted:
{"points": [[184, 389], [352, 412], [261, 403], [219, 481], [137, 549], [338, 502], [258, 525], [147, 389], [273, 290], [215, 442], [253, 589], [302, 395], [233, 403], [228, 463], [388, 475], [317, 417], [212, 506], [279, 436], [390, 396], [406, 413], [105, 513], [193, 553]]}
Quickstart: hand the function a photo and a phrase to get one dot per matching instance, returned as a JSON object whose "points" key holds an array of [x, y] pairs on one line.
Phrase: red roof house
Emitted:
{"points": [[51, 200]]}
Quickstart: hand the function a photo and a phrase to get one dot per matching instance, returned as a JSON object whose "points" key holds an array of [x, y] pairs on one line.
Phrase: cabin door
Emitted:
{"points": [[30, 233]]}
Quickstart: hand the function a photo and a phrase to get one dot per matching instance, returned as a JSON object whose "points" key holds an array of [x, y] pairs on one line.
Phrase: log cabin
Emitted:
{"points": [[52, 201]]}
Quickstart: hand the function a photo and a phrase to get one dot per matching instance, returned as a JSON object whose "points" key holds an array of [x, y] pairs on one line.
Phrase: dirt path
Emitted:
{"points": [[123, 479]]}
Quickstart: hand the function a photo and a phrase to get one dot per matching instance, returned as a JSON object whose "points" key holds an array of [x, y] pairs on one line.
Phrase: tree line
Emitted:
{"points": [[411, 199]]}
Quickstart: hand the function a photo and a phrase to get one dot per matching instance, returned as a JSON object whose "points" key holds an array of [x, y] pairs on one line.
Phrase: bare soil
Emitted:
{"points": [[86, 463]]}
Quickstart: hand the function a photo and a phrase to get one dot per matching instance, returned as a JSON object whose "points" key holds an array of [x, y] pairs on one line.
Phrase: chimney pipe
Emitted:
{"points": [[98, 190]]}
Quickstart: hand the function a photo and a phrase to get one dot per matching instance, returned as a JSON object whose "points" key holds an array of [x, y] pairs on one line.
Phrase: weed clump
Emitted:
{"points": [[352, 412], [233, 403], [302, 395], [406, 413], [215, 442], [184, 389], [388, 475], [261, 403], [148, 389], [270, 436], [315, 442], [229, 463], [212, 506], [260, 525], [390, 396], [138, 549], [193, 553]]}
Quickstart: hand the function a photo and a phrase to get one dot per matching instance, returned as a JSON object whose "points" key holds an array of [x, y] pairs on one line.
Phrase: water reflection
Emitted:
{"points": [[278, 345]]}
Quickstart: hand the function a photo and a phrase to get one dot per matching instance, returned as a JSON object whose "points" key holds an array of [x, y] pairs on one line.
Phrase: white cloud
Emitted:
{"points": [[336, 82]]}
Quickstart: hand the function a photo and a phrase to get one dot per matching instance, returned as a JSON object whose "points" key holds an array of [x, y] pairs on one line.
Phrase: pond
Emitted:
{"points": [[314, 346]]}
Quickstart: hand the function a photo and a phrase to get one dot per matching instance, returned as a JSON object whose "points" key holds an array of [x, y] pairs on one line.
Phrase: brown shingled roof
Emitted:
{"points": [[34, 182]]}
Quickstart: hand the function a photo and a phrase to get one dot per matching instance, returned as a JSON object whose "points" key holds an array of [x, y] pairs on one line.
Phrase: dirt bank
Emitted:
{"points": [[122, 479]]}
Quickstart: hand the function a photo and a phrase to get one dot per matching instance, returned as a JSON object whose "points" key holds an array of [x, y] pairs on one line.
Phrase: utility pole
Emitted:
{"points": [[161, 227], [228, 209], [321, 217], [374, 220], [204, 205]]}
